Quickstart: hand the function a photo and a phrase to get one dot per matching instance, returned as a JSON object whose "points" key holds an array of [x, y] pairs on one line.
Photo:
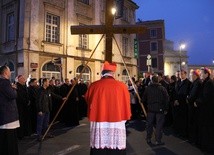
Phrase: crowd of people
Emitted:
{"points": [[37, 101], [187, 106]]}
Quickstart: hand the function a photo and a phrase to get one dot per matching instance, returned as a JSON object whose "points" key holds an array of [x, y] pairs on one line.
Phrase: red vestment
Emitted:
{"points": [[108, 101]]}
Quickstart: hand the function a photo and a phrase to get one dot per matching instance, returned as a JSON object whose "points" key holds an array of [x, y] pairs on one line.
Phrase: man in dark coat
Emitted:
{"points": [[180, 105], [23, 104], [172, 93], [70, 110], [82, 88], [9, 119], [56, 100], [157, 99], [206, 115], [33, 91], [192, 107], [44, 107]]}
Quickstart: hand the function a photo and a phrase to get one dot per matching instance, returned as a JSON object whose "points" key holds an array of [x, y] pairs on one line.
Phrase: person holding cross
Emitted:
{"points": [[108, 109]]}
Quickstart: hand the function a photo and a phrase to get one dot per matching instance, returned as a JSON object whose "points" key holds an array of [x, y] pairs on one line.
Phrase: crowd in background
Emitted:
{"points": [[190, 110], [39, 102], [190, 107]]}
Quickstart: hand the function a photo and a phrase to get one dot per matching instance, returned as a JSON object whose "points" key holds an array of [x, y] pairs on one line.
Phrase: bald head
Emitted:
{"points": [[5, 72]]}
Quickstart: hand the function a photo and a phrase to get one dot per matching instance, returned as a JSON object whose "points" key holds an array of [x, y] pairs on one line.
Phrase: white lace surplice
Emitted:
{"points": [[108, 135]]}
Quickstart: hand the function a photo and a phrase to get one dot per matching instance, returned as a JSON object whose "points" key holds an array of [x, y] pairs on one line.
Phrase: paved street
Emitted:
{"points": [[75, 141]]}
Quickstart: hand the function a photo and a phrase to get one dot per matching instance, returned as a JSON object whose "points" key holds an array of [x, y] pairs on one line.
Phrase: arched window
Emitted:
{"points": [[125, 76], [86, 74], [50, 70], [12, 70]]}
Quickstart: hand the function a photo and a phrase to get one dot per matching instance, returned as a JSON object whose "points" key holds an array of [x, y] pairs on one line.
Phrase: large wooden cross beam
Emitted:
{"points": [[108, 29]]}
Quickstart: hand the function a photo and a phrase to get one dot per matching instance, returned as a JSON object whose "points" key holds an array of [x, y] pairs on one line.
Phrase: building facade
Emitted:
{"points": [[36, 39], [174, 59], [151, 43]]}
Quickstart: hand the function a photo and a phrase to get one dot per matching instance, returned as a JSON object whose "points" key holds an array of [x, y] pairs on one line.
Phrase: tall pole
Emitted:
{"points": [[109, 18], [182, 46], [180, 58]]}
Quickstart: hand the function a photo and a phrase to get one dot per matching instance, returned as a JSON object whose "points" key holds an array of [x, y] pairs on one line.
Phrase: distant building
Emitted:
{"points": [[174, 59], [36, 39], [151, 43]]}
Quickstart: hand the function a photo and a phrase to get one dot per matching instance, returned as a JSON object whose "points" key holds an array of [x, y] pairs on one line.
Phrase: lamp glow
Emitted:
{"points": [[113, 11]]}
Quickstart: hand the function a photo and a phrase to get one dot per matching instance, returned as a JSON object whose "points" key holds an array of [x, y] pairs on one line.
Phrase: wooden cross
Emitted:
{"points": [[108, 29]]}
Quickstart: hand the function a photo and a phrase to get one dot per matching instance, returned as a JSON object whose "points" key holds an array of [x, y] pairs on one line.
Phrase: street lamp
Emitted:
{"points": [[113, 11], [182, 46]]}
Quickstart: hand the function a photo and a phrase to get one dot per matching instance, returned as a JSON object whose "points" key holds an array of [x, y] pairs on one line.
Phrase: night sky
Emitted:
{"points": [[188, 21]]}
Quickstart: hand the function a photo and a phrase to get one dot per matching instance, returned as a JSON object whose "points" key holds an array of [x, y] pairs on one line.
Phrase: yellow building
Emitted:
{"points": [[34, 33]]}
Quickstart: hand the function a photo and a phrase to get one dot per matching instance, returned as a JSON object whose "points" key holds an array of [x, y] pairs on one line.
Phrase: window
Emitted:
{"points": [[83, 40], [153, 33], [125, 13], [125, 46], [12, 70], [154, 46], [125, 76], [52, 28], [86, 73], [154, 63], [50, 70], [10, 27], [84, 1]]}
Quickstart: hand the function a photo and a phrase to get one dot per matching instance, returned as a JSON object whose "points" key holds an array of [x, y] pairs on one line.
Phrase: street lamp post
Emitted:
{"points": [[181, 47]]}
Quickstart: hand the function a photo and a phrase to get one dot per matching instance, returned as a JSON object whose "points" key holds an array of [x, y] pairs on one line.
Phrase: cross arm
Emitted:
{"points": [[88, 29], [102, 29], [128, 29]]}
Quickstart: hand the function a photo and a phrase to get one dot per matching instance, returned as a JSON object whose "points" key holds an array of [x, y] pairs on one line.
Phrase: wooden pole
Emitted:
{"points": [[136, 92], [69, 93]]}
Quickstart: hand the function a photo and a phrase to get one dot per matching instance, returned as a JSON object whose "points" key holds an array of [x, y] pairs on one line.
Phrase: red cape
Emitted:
{"points": [[108, 101]]}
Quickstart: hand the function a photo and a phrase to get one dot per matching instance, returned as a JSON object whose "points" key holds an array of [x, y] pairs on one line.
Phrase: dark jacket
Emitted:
{"points": [[156, 97], [8, 107], [44, 99], [182, 90], [194, 91], [205, 102], [22, 99]]}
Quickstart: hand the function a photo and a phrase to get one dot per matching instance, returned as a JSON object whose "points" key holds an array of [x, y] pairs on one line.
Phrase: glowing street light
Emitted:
{"points": [[113, 11], [182, 46]]}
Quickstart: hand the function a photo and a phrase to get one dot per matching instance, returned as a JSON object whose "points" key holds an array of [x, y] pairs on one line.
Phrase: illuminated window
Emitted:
{"points": [[86, 73], [52, 28], [83, 40], [50, 70]]}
